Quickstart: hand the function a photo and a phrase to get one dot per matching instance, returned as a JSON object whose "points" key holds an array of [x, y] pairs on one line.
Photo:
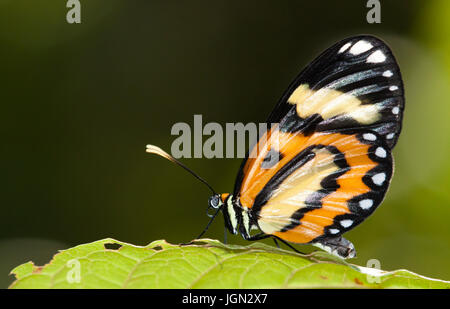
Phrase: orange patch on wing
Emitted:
{"points": [[301, 235], [350, 185], [289, 145], [255, 178]]}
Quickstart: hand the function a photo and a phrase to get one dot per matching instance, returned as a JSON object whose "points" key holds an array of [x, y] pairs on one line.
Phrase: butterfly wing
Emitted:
{"points": [[356, 83], [324, 164], [329, 187]]}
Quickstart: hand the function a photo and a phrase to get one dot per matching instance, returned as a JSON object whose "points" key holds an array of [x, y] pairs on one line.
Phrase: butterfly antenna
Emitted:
{"points": [[209, 223], [158, 151]]}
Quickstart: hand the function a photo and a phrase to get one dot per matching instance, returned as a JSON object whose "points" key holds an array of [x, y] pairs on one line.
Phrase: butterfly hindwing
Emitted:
{"points": [[331, 186]]}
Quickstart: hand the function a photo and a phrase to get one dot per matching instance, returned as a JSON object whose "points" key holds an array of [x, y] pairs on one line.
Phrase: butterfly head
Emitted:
{"points": [[223, 202], [215, 201]]}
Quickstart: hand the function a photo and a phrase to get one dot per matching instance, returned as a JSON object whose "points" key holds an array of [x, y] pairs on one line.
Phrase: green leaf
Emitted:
{"points": [[206, 263]]}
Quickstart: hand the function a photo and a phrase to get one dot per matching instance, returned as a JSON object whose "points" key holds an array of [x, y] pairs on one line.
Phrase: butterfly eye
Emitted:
{"points": [[214, 201]]}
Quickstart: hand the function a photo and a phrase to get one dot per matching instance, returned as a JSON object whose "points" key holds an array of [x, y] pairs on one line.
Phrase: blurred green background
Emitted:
{"points": [[81, 101]]}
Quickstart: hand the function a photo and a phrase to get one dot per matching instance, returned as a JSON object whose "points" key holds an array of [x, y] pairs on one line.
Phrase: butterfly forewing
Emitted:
{"points": [[354, 84]]}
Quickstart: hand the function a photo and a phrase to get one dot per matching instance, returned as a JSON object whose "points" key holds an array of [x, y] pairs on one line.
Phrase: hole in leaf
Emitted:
{"points": [[112, 246], [198, 243], [157, 248]]}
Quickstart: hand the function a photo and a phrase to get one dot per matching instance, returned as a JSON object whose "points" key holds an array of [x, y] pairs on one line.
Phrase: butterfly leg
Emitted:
{"points": [[258, 237], [286, 243], [338, 246], [225, 234], [276, 242], [275, 238]]}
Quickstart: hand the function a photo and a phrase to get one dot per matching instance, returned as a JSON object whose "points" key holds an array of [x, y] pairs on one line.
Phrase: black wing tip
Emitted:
{"points": [[367, 37]]}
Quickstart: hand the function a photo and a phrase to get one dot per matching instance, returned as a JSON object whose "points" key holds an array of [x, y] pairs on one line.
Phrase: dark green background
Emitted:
{"points": [[81, 101]]}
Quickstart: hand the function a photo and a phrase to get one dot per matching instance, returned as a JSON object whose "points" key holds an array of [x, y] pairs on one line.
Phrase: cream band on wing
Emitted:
{"points": [[292, 193], [330, 103]]}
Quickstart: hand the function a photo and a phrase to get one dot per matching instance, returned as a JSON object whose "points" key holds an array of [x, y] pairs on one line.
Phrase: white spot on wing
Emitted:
{"points": [[379, 178], [346, 223], [360, 47], [334, 231], [393, 88], [376, 57], [395, 110], [380, 152], [344, 48], [387, 73], [390, 136], [366, 204], [369, 137]]}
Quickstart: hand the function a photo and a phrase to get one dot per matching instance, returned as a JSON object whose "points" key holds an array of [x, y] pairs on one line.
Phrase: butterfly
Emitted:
{"points": [[324, 164]]}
